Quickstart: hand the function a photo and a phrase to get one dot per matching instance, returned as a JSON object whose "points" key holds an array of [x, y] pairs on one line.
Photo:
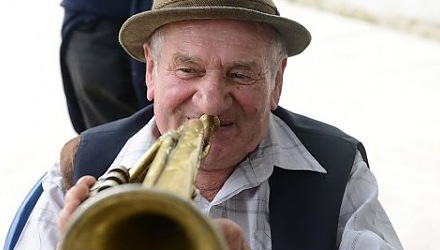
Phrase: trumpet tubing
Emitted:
{"points": [[157, 214]]}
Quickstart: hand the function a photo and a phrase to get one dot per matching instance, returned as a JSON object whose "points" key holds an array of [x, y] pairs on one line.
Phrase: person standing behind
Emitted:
{"points": [[101, 82]]}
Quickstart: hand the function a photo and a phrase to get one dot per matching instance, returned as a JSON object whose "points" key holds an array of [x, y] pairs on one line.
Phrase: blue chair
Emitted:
{"points": [[22, 215]]}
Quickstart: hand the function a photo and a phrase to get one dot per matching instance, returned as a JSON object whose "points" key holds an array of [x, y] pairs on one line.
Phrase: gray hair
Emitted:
{"points": [[276, 53], [155, 42]]}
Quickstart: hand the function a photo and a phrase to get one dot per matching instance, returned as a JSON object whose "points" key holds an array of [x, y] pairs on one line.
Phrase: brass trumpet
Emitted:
{"points": [[159, 213]]}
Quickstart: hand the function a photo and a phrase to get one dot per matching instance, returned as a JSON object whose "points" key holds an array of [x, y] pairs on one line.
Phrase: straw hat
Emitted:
{"points": [[138, 28]]}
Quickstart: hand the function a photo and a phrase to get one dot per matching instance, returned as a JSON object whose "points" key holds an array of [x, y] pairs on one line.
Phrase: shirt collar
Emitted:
{"points": [[284, 149], [280, 148], [136, 146]]}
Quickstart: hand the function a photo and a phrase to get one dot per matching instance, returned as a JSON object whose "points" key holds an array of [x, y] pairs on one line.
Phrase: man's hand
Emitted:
{"points": [[74, 197], [232, 234]]}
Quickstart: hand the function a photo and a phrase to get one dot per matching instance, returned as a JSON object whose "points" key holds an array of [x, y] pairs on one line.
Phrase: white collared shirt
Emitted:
{"points": [[244, 198]]}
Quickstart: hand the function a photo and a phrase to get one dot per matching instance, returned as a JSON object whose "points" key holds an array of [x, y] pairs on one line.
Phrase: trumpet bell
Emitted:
{"points": [[133, 217]]}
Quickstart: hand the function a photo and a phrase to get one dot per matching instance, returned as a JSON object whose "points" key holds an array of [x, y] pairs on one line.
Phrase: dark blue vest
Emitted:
{"points": [[304, 206]]}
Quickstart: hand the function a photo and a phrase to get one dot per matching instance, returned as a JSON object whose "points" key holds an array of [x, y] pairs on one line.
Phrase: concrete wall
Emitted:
{"points": [[420, 17]]}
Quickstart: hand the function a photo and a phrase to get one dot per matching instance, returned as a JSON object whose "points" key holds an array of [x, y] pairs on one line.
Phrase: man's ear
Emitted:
{"points": [[149, 72], [276, 92]]}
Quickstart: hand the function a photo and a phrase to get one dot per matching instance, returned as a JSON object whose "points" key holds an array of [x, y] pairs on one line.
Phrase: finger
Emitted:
{"points": [[87, 180], [74, 197], [65, 214], [78, 193], [233, 234], [81, 190]]}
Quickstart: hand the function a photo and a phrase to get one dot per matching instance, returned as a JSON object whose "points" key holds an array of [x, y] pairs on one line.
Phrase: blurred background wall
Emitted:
{"points": [[421, 17]]}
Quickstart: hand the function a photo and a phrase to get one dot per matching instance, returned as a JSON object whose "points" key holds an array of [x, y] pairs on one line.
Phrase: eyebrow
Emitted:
{"points": [[247, 65], [182, 58], [241, 64]]}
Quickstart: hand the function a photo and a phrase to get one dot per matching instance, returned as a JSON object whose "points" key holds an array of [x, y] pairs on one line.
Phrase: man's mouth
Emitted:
{"points": [[225, 123]]}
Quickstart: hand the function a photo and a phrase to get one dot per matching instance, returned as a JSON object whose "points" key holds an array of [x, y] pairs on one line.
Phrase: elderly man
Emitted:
{"points": [[272, 179]]}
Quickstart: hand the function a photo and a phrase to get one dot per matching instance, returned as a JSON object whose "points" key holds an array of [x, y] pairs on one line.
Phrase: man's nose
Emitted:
{"points": [[213, 95]]}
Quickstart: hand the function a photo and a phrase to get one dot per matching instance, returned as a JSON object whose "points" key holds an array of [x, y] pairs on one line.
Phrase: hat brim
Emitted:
{"points": [[138, 28]]}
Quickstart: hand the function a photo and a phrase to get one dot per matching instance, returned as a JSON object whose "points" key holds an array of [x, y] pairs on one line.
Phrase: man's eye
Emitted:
{"points": [[242, 78], [186, 72], [239, 76]]}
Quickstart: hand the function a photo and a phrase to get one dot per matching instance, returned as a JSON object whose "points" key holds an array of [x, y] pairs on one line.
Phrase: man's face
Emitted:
{"points": [[216, 67]]}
